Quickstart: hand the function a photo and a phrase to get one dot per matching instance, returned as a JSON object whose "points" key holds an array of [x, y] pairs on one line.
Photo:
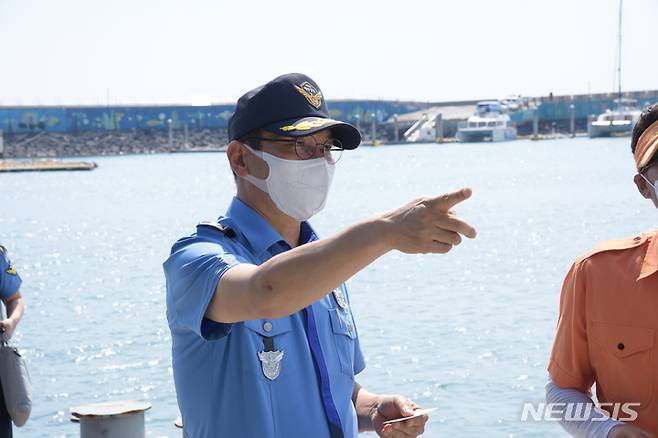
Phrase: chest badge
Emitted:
{"points": [[271, 363], [340, 298]]}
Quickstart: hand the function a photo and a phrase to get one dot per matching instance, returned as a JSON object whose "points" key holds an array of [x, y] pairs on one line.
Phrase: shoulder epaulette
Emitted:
{"points": [[3, 250], [227, 231], [616, 245]]}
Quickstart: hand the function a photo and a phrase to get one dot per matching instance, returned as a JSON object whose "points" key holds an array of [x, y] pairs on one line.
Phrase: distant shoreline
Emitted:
{"points": [[110, 143]]}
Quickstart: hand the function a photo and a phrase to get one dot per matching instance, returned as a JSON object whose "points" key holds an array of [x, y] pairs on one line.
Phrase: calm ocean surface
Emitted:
{"points": [[468, 332]]}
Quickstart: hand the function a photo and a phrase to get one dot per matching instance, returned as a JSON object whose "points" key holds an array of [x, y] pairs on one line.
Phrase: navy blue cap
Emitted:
{"points": [[291, 105]]}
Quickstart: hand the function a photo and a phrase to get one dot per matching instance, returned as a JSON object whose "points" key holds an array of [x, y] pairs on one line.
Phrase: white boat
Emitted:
{"points": [[514, 102], [617, 122], [423, 130], [489, 123], [621, 120]]}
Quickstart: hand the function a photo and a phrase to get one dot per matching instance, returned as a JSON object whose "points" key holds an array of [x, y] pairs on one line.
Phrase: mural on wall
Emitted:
{"points": [[74, 119], [357, 112]]}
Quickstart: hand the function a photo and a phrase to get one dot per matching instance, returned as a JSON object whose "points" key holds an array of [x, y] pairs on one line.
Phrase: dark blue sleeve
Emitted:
{"points": [[10, 281], [193, 271]]}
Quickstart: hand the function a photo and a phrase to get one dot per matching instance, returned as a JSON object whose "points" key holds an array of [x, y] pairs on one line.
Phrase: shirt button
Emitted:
{"points": [[350, 328], [620, 346], [267, 327]]}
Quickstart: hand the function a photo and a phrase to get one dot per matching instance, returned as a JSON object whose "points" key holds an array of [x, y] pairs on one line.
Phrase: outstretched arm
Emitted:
{"points": [[293, 280]]}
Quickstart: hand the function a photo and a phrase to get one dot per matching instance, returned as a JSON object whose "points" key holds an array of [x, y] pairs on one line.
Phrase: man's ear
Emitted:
{"points": [[642, 186], [236, 154]]}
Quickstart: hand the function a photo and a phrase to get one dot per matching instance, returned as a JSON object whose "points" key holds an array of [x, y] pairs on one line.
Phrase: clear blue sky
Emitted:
{"points": [[142, 51]]}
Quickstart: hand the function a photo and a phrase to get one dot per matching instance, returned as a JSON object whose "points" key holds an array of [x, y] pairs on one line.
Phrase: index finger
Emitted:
{"points": [[446, 201]]}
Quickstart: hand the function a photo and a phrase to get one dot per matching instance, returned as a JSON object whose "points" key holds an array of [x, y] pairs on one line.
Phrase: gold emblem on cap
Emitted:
{"points": [[306, 125], [313, 95]]}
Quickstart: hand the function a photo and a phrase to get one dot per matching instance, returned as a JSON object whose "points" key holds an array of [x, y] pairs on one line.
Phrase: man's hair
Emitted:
{"points": [[648, 117], [253, 142], [249, 139]]}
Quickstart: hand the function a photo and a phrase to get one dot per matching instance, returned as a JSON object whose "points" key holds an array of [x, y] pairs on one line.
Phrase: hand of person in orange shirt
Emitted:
{"points": [[628, 431]]}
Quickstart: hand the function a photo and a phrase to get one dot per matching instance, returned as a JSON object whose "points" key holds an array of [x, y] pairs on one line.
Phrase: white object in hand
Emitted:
{"points": [[417, 413]]}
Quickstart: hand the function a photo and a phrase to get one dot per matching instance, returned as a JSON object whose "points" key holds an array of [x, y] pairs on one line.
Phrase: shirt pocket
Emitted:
{"points": [[258, 330], [344, 336], [624, 362]]}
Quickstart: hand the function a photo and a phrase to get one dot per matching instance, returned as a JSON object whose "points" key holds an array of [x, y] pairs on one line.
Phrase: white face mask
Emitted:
{"points": [[299, 188]]}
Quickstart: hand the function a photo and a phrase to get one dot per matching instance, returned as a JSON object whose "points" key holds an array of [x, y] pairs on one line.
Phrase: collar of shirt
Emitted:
{"points": [[650, 263], [260, 234]]}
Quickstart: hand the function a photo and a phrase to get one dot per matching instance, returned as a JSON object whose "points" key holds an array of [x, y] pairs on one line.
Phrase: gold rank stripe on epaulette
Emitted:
{"points": [[616, 245], [227, 231], [11, 270]]}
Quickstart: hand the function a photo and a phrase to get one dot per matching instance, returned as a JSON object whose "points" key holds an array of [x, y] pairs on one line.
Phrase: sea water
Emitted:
{"points": [[468, 332]]}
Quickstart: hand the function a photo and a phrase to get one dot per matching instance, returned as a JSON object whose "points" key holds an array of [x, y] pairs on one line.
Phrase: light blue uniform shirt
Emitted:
{"points": [[10, 281], [221, 388]]}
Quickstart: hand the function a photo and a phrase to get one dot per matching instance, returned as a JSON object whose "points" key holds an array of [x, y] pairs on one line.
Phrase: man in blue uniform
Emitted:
{"points": [[264, 340], [10, 283]]}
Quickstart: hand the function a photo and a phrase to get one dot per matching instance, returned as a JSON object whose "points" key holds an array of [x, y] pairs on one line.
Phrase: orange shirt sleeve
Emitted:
{"points": [[569, 365]]}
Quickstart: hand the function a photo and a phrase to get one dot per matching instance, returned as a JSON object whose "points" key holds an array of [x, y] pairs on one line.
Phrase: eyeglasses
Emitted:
{"points": [[652, 184], [307, 148]]}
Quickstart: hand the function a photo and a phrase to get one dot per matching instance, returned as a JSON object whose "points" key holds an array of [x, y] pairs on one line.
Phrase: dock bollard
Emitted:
{"points": [[113, 419]]}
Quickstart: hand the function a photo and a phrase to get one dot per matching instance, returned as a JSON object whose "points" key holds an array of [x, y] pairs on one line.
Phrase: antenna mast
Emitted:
{"points": [[619, 54]]}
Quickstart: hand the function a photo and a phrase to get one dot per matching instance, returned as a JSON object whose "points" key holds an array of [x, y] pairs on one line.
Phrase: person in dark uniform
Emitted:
{"points": [[10, 283]]}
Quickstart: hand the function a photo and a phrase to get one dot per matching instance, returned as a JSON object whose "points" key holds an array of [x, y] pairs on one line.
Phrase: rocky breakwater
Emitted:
{"points": [[54, 144]]}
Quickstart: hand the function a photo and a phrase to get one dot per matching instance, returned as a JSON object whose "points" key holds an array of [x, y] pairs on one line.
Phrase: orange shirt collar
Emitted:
{"points": [[650, 263]]}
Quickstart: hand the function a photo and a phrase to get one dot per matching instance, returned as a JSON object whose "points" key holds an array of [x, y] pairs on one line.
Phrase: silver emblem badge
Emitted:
{"points": [[271, 363], [340, 298]]}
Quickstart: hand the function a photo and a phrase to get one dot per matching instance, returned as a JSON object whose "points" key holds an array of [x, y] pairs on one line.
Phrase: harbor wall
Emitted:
{"points": [[29, 119], [50, 131]]}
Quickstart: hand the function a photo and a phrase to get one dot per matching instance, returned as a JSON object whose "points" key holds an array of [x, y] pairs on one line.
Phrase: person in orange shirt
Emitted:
{"points": [[606, 332]]}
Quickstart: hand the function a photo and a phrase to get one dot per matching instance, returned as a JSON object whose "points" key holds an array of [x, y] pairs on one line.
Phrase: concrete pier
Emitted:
{"points": [[44, 165]]}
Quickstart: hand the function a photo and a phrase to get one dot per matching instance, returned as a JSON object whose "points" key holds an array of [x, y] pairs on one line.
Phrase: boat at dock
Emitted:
{"points": [[423, 130], [491, 122], [617, 122], [621, 120], [44, 165]]}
